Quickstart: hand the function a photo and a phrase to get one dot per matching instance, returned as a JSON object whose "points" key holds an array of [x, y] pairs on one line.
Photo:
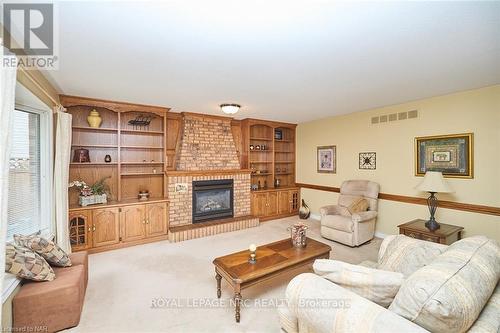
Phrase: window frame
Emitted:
{"points": [[47, 226]]}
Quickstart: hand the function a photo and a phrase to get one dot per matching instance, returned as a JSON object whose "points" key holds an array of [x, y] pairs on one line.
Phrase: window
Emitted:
{"points": [[29, 205]]}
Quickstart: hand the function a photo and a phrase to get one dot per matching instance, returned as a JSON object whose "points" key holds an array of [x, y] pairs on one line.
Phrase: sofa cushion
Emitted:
{"points": [[406, 255], [448, 294], [376, 285], [489, 319], [49, 250], [339, 222], [27, 264]]}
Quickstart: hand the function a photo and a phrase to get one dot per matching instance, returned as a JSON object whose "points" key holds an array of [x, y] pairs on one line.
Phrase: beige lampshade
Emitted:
{"points": [[434, 182]]}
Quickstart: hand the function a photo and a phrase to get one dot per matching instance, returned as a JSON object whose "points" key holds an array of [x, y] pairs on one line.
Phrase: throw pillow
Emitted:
{"points": [[27, 264], [406, 255], [358, 205], [374, 284], [448, 294], [49, 250]]}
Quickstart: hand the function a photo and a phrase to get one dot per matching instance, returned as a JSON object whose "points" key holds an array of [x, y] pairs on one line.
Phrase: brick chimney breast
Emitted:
{"points": [[207, 143]]}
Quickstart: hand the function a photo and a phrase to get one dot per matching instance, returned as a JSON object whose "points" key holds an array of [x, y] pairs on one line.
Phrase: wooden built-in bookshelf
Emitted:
{"points": [[137, 154]]}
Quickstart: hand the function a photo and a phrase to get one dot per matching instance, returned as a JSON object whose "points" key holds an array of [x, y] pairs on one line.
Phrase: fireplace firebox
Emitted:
{"points": [[212, 199]]}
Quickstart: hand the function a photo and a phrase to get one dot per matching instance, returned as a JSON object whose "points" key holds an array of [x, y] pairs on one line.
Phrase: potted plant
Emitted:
{"points": [[96, 193]]}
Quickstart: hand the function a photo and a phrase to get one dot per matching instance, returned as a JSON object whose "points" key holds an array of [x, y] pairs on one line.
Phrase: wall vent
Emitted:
{"points": [[413, 114], [394, 117]]}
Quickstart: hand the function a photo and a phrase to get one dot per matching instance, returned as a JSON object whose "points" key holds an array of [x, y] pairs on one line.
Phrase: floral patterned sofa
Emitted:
{"points": [[444, 289]]}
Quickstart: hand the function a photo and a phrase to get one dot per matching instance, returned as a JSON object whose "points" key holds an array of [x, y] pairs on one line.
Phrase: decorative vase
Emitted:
{"points": [[304, 211], [298, 235], [94, 119], [107, 158]]}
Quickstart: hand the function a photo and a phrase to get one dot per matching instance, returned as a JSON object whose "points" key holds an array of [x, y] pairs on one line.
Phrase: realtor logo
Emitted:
{"points": [[29, 28], [30, 36]]}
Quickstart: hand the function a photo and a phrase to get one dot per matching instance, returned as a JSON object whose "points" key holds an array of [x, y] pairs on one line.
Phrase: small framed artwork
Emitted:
{"points": [[451, 154], [368, 161], [327, 159], [278, 134]]}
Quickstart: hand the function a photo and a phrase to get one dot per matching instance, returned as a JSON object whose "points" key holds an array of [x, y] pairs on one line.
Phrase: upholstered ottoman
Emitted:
{"points": [[55, 305]]}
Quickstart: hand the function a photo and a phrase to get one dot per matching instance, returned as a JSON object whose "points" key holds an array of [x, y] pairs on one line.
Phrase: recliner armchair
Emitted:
{"points": [[339, 225]]}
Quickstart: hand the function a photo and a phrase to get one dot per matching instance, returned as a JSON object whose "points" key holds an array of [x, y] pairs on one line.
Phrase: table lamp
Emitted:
{"points": [[433, 183]]}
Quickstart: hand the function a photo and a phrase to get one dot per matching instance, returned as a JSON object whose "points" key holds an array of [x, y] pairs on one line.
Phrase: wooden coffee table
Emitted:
{"points": [[272, 260]]}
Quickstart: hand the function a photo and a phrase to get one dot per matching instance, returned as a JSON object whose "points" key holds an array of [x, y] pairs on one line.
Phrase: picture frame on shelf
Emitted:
{"points": [[451, 154], [327, 159], [368, 161], [278, 134]]}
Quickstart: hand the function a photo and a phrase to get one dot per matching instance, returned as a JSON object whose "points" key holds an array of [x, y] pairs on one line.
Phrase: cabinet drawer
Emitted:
{"points": [[413, 234], [434, 239]]}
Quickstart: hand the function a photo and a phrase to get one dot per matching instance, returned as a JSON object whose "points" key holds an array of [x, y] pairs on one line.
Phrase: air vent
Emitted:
{"points": [[413, 114], [394, 117]]}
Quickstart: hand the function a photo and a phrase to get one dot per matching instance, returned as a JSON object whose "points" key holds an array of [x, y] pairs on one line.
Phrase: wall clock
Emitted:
{"points": [[368, 161]]}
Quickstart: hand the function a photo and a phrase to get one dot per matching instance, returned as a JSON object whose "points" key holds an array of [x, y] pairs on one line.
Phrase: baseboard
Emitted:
{"points": [[315, 217], [378, 234]]}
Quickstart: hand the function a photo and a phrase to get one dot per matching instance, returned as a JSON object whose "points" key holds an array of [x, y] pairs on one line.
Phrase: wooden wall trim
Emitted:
{"points": [[480, 209]]}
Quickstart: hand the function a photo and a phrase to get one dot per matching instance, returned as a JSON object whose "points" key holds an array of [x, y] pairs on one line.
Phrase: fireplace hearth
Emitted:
{"points": [[212, 199]]}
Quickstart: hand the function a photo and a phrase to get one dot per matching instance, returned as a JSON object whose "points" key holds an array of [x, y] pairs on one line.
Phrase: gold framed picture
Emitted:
{"points": [[450, 154], [327, 159]]}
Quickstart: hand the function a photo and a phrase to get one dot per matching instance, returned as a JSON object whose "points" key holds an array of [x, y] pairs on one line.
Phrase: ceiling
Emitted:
{"points": [[290, 61]]}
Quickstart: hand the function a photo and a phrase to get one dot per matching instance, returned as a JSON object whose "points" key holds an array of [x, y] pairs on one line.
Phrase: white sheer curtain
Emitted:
{"points": [[61, 176], [7, 104]]}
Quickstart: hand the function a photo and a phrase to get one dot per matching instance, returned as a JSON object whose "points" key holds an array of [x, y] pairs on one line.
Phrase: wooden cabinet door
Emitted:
{"points": [[272, 203], [294, 201], [105, 227], [80, 230], [156, 219], [133, 222], [283, 202], [259, 204]]}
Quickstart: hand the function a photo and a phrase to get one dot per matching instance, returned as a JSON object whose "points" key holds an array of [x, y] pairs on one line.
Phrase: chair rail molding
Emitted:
{"points": [[474, 208]]}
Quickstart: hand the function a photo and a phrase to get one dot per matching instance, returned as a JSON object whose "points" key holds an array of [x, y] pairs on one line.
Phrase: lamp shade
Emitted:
{"points": [[434, 182], [230, 108]]}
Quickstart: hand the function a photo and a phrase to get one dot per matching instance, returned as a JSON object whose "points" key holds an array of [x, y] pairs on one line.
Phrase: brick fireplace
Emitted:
{"points": [[207, 152]]}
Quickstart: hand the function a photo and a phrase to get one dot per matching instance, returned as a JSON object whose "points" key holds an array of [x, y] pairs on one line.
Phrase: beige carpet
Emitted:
{"points": [[124, 284]]}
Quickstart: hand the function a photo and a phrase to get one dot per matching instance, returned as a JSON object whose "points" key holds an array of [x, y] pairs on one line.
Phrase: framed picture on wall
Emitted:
{"points": [[327, 159], [451, 154], [368, 161]]}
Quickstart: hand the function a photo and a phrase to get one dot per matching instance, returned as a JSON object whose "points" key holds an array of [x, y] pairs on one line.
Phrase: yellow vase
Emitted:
{"points": [[94, 119]]}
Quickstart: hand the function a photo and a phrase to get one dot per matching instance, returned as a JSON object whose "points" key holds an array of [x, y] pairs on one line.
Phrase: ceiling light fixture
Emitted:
{"points": [[230, 108]]}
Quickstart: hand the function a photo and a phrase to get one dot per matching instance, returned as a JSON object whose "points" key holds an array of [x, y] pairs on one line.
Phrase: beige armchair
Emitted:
{"points": [[339, 225]]}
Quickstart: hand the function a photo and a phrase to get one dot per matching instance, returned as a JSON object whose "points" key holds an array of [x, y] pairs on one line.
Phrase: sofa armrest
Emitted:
{"points": [[364, 216], [328, 210], [324, 307]]}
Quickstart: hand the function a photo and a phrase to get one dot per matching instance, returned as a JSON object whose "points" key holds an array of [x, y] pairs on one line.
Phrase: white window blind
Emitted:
{"points": [[24, 205]]}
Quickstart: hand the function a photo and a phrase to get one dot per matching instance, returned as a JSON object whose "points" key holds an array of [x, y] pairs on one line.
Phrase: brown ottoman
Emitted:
{"points": [[81, 258], [53, 305]]}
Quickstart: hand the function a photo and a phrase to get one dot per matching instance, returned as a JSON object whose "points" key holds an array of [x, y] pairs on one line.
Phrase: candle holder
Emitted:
{"points": [[252, 248], [252, 259]]}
